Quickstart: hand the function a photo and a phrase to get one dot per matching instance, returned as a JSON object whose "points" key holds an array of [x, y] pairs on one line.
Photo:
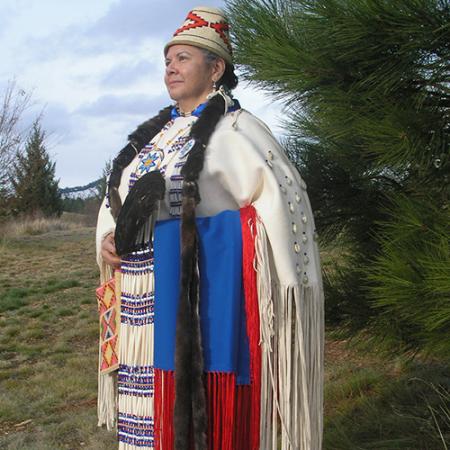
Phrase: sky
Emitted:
{"points": [[95, 70]]}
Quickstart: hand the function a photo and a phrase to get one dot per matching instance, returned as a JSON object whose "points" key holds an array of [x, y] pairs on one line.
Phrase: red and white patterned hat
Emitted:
{"points": [[205, 27]]}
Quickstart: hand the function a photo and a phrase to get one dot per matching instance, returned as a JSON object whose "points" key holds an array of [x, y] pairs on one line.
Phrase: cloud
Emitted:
{"points": [[57, 122], [126, 25], [121, 105], [127, 74], [100, 139], [56, 119], [134, 20], [4, 21], [8, 11]]}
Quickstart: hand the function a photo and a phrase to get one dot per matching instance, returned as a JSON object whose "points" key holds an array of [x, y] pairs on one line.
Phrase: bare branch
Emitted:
{"points": [[13, 103]]}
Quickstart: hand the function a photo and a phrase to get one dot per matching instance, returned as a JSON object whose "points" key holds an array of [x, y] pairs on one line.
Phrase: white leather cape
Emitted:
{"points": [[244, 164]]}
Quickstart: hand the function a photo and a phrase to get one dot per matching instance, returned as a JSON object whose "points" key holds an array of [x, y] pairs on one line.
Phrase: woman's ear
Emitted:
{"points": [[218, 69]]}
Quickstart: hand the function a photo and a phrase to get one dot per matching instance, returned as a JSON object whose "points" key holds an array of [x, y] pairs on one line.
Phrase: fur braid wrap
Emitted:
{"points": [[190, 398]]}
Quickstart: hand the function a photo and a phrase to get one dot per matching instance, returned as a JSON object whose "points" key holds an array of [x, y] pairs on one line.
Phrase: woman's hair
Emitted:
{"points": [[229, 79]]}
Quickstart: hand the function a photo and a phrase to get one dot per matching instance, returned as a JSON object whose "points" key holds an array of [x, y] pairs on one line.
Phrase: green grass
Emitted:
{"points": [[48, 359], [381, 404], [48, 343], [14, 298]]}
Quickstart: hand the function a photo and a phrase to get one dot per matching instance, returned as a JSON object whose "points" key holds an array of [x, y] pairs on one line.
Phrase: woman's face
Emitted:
{"points": [[189, 78]]}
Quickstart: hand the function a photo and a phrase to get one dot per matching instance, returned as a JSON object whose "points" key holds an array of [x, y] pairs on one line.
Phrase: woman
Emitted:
{"points": [[221, 333]]}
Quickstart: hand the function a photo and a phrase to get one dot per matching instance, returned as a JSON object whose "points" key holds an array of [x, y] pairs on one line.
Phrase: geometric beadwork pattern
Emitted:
{"points": [[137, 381], [108, 298], [137, 431], [137, 310]]}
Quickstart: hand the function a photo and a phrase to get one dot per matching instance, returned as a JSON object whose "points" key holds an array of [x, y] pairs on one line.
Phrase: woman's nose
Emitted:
{"points": [[171, 67]]}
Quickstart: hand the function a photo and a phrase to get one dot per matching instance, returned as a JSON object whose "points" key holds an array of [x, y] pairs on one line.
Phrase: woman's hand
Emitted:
{"points": [[108, 251]]}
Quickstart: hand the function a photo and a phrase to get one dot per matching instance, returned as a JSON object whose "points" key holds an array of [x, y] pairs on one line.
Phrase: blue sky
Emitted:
{"points": [[96, 70]]}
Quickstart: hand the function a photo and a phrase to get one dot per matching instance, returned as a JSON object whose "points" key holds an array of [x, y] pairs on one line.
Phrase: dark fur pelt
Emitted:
{"points": [[143, 134], [137, 209], [120, 162], [201, 132], [190, 397]]}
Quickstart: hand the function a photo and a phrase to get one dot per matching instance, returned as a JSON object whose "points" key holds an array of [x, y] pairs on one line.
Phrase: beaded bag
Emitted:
{"points": [[108, 297]]}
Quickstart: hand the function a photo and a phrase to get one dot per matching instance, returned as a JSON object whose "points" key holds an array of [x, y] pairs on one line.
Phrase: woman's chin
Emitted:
{"points": [[175, 91]]}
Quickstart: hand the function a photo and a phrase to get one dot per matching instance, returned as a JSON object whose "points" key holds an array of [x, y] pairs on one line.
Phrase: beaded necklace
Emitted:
{"points": [[176, 112]]}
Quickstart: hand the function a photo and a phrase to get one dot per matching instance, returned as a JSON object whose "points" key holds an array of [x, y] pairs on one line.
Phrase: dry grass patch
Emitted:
{"points": [[32, 227]]}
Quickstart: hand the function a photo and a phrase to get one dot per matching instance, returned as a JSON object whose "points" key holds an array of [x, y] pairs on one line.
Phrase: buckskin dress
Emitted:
{"points": [[261, 296]]}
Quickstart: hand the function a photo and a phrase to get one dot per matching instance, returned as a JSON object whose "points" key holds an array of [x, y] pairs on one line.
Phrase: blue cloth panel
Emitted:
{"points": [[222, 310]]}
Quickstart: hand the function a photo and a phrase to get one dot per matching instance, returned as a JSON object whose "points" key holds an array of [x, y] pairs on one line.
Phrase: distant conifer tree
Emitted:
{"points": [[33, 179], [367, 88], [103, 182]]}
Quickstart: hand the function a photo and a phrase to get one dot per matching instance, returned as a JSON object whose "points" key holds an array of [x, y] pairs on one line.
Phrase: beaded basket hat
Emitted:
{"points": [[205, 27]]}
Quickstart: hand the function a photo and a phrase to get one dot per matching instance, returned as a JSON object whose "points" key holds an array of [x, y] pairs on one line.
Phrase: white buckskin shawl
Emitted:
{"points": [[244, 164]]}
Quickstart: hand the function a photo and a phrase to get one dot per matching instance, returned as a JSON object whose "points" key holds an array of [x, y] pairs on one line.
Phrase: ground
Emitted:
{"points": [[48, 363]]}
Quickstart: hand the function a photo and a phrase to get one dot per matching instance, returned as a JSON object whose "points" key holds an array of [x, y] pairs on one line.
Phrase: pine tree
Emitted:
{"points": [[35, 187], [103, 181], [366, 84]]}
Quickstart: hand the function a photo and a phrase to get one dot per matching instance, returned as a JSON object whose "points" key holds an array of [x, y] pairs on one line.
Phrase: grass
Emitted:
{"points": [[378, 403], [48, 341], [40, 225], [48, 354]]}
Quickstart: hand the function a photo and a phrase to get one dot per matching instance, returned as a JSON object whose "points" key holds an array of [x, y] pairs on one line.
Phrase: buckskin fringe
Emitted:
{"points": [[106, 272], [292, 333], [107, 398]]}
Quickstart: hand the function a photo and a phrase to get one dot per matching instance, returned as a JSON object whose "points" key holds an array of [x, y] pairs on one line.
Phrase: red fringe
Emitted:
{"points": [[233, 411], [242, 413], [228, 410], [164, 395], [248, 222], [221, 393]]}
